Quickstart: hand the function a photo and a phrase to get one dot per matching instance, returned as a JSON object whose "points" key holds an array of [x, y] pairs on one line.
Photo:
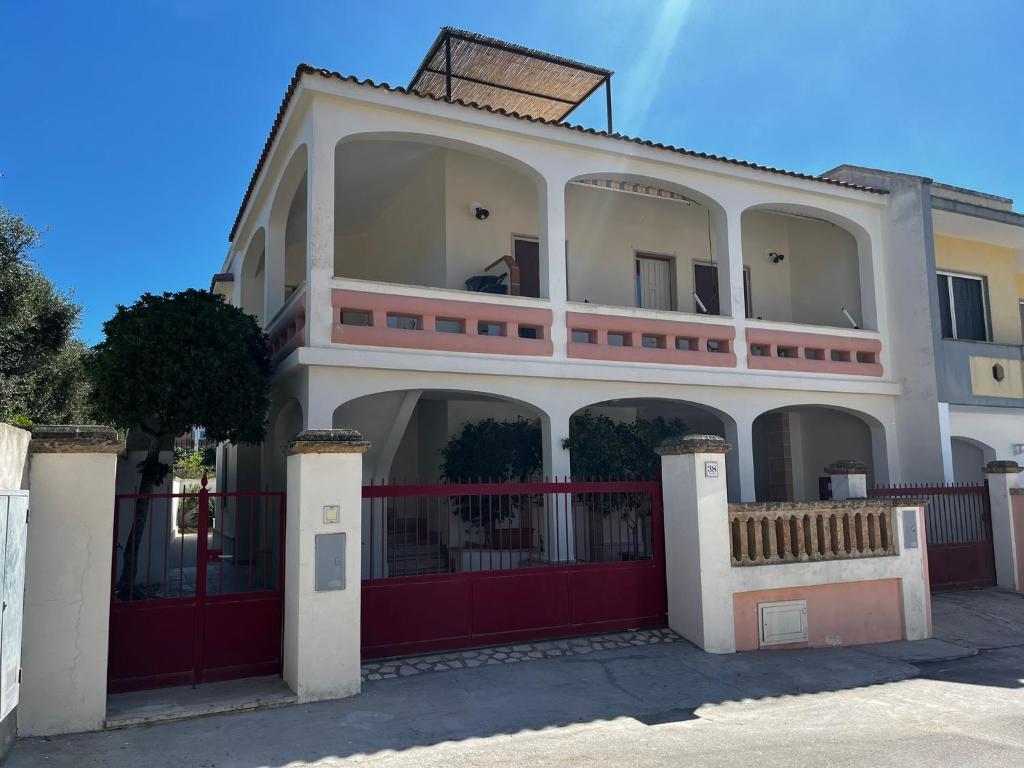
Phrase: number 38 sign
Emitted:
{"points": [[710, 469]]}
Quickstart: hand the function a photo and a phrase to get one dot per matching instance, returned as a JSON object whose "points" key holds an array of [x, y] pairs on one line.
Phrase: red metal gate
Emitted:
{"points": [[200, 597], [958, 526], [454, 566]]}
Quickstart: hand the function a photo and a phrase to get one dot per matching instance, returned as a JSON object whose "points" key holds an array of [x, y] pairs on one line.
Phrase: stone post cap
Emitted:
{"points": [[847, 467], [327, 441], [75, 438], [677, 446], [1002, 467]]}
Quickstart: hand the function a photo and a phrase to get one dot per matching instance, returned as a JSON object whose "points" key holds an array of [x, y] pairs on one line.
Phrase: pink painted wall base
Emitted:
{"points": [[851, 613]]}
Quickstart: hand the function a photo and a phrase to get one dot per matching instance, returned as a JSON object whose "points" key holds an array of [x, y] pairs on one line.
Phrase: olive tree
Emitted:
{"points": [[173, 362]]}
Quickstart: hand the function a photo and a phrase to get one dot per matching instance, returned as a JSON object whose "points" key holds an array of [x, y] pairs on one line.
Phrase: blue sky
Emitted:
{"points": [[130, 129]]}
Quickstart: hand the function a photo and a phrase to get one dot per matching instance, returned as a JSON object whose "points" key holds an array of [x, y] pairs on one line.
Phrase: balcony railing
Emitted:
{"points": [[377, 314], [287, 330], [425, 318], [775, 349], [639, 337]]}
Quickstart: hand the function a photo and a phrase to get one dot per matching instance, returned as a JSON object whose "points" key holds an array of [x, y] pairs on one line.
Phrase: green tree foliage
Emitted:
{"points": [[173, 362], [190, 464], [492, 451], [605, 449], [42, 373], [602, 448]]}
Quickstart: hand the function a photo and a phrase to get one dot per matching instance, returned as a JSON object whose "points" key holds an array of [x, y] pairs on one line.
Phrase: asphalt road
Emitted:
{"points": [[652, 707]]}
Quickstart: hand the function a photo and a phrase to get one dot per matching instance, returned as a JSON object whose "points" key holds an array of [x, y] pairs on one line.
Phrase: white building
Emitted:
{"points": [[652, 280]]}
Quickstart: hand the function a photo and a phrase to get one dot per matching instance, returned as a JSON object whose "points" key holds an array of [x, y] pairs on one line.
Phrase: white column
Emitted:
{"points": [[322, 621], [320, 234], [559, 519], [697, 545], [553, 280], [67, 580], [849, 479], [1002, 477], [741, 437], [731, 276]]}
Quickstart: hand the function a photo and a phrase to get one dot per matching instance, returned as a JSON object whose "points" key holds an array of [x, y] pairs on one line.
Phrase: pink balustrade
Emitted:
{"points": [[450, 325], [288, 331], [779, 350], [644, 340]]}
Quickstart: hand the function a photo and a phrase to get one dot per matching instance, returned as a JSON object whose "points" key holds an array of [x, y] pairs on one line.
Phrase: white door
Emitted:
{"points": [[653, 283]]}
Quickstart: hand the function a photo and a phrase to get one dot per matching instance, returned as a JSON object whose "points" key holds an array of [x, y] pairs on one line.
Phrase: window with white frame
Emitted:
{"points": [[963, 306]]}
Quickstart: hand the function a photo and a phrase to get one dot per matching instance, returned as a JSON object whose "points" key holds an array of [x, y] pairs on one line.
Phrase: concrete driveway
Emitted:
{"points": [[649, 705]]}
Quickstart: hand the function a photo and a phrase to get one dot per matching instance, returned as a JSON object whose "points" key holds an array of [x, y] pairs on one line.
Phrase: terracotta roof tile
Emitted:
{"points": [[306, 69]]}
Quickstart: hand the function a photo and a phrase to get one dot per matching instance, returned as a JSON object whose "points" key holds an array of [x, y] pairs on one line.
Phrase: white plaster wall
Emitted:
{"points": [[968, 462], [14, 457], [765, 233], [510, 196], [819, 275], [605, 230], [67, 594], [997, 428]]}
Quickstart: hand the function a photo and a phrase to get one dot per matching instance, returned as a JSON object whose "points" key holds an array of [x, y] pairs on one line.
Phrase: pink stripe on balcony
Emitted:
{"points": [[671, 342], [812, 352], [426, 313]]}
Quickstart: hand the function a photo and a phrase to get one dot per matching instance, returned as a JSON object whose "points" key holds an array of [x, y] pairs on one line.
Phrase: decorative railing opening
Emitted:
{"points": [[769, 534]]}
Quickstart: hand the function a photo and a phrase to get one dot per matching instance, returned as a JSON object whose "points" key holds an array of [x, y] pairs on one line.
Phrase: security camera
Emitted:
{"points": [[479, 211], [776, 258]]}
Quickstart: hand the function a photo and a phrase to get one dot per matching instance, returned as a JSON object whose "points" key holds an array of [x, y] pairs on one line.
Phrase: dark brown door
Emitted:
{"points": [[527, 256], [705, 284]]}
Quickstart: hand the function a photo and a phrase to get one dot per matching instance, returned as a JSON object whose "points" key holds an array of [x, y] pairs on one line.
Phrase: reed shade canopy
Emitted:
{"points": [[468, 67]]}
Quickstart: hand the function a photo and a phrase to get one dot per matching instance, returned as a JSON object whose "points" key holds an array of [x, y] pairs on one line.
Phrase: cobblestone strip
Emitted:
{"points": [[513, 654]]}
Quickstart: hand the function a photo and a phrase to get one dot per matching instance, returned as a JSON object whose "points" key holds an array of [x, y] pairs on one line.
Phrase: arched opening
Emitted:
{"points": [[803, 265], [651, 419], [969, 459], [285, 262], [284, 425], [428, 437], [793, 445], [420, 211], [253, 274], [633, 241]]}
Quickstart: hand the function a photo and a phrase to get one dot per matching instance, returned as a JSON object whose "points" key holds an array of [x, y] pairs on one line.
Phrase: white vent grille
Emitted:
{"points": [[784, 622]]}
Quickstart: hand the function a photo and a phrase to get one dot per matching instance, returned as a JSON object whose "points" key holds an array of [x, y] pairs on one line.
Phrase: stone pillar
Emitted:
{"points": [[849, 479], [1007, 526], [322, 621], [697, 545], [67, 580]]}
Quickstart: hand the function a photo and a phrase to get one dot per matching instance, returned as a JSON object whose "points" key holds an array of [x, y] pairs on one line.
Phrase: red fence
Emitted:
{"points": [[200, 596], [958, 530], [447, 566]]}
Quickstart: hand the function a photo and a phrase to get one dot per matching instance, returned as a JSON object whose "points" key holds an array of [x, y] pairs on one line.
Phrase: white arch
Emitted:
{"points": [[868, 315], [292, 178], [253, 275]]}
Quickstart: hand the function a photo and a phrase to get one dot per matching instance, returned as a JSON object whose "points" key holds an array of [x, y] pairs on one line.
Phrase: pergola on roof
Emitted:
{"points": [[472, 68]]}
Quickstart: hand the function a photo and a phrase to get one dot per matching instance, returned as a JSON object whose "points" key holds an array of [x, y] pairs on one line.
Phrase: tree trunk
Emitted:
{"points": [[130, 554]]}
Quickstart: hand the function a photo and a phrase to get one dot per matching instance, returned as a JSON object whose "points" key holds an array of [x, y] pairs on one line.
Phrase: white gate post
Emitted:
{"points": [[1007, 523], [323, 564], [67, 580], [849, 479], [697, 545]]}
